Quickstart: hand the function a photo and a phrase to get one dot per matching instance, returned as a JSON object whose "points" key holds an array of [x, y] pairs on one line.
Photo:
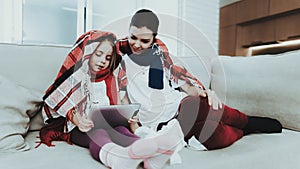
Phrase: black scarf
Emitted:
{"points": [[151, 57]]}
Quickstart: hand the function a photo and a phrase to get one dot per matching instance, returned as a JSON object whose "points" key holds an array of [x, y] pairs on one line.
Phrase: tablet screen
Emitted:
{"points": [[127, 111]]}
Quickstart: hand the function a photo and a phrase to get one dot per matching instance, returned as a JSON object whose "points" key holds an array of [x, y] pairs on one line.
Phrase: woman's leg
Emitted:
{"points": [[262, 125], [195, 109], [233, 117], [216, 135]]}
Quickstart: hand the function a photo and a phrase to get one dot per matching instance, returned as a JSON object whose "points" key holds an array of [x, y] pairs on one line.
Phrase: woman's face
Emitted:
{"points": [[101, 58], [139, 39]]}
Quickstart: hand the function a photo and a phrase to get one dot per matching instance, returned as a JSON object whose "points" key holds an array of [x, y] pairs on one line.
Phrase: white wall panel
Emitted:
{"points": [[203, 15]]}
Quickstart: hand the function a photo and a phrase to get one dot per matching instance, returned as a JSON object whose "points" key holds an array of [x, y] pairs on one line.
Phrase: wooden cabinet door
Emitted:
{"points": [[228, 15], [227, 40], [256, 33], [248, 10], [288, 27], [279, 6]]}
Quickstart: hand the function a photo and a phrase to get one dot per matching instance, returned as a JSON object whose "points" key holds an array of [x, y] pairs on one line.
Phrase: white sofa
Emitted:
{"points": [[261, 85]]}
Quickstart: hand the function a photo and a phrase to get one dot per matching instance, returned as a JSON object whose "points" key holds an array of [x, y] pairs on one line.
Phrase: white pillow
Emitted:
{"points": [[261, 85], [16, 108]]}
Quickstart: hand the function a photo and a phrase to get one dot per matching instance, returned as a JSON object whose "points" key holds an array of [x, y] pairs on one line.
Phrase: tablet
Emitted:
{"points": [[127, 111]]}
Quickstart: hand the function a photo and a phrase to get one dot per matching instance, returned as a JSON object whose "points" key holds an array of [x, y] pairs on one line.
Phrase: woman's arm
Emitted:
{"points": [[193, 90], [213, 99]]}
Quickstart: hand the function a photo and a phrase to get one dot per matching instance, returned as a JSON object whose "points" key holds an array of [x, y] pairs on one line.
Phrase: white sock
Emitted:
{"points": [[174, 137], [169, 137], [156, 149], [116, 157], [156, 162]]}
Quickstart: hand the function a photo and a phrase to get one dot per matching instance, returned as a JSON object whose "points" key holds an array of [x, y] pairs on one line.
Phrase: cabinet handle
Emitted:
{"points": [[257, 43], [293, 37]]}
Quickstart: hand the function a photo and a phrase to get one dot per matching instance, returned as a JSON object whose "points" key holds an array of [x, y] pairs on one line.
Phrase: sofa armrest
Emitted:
{"points": [[261, 85]]}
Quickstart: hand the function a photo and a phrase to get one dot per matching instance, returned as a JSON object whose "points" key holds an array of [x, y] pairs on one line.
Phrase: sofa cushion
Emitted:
{"points": [[17, 105], [261, 85], [257, 151]]}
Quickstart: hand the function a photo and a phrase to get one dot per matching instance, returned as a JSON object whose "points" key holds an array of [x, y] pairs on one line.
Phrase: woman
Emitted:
{"points": [[84, 82], [149, 77]]}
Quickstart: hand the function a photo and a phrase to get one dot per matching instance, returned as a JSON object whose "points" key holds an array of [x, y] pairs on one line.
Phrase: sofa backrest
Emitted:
{"points": [[33, 67]]}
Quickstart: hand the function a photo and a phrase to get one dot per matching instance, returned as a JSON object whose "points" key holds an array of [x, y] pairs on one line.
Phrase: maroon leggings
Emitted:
{"points": [[108, 128], [213, 128]]}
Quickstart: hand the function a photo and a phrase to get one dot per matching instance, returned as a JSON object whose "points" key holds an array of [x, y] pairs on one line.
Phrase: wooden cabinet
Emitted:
{"points": [[227, 38], [279, 6], [288, 27], [257, 22], [248, 10], [228, 15], [227, 30], [256, 33]]}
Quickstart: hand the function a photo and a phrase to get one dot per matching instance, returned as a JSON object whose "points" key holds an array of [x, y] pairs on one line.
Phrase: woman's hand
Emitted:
{"points": [[213, 99], [133, 123]]}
